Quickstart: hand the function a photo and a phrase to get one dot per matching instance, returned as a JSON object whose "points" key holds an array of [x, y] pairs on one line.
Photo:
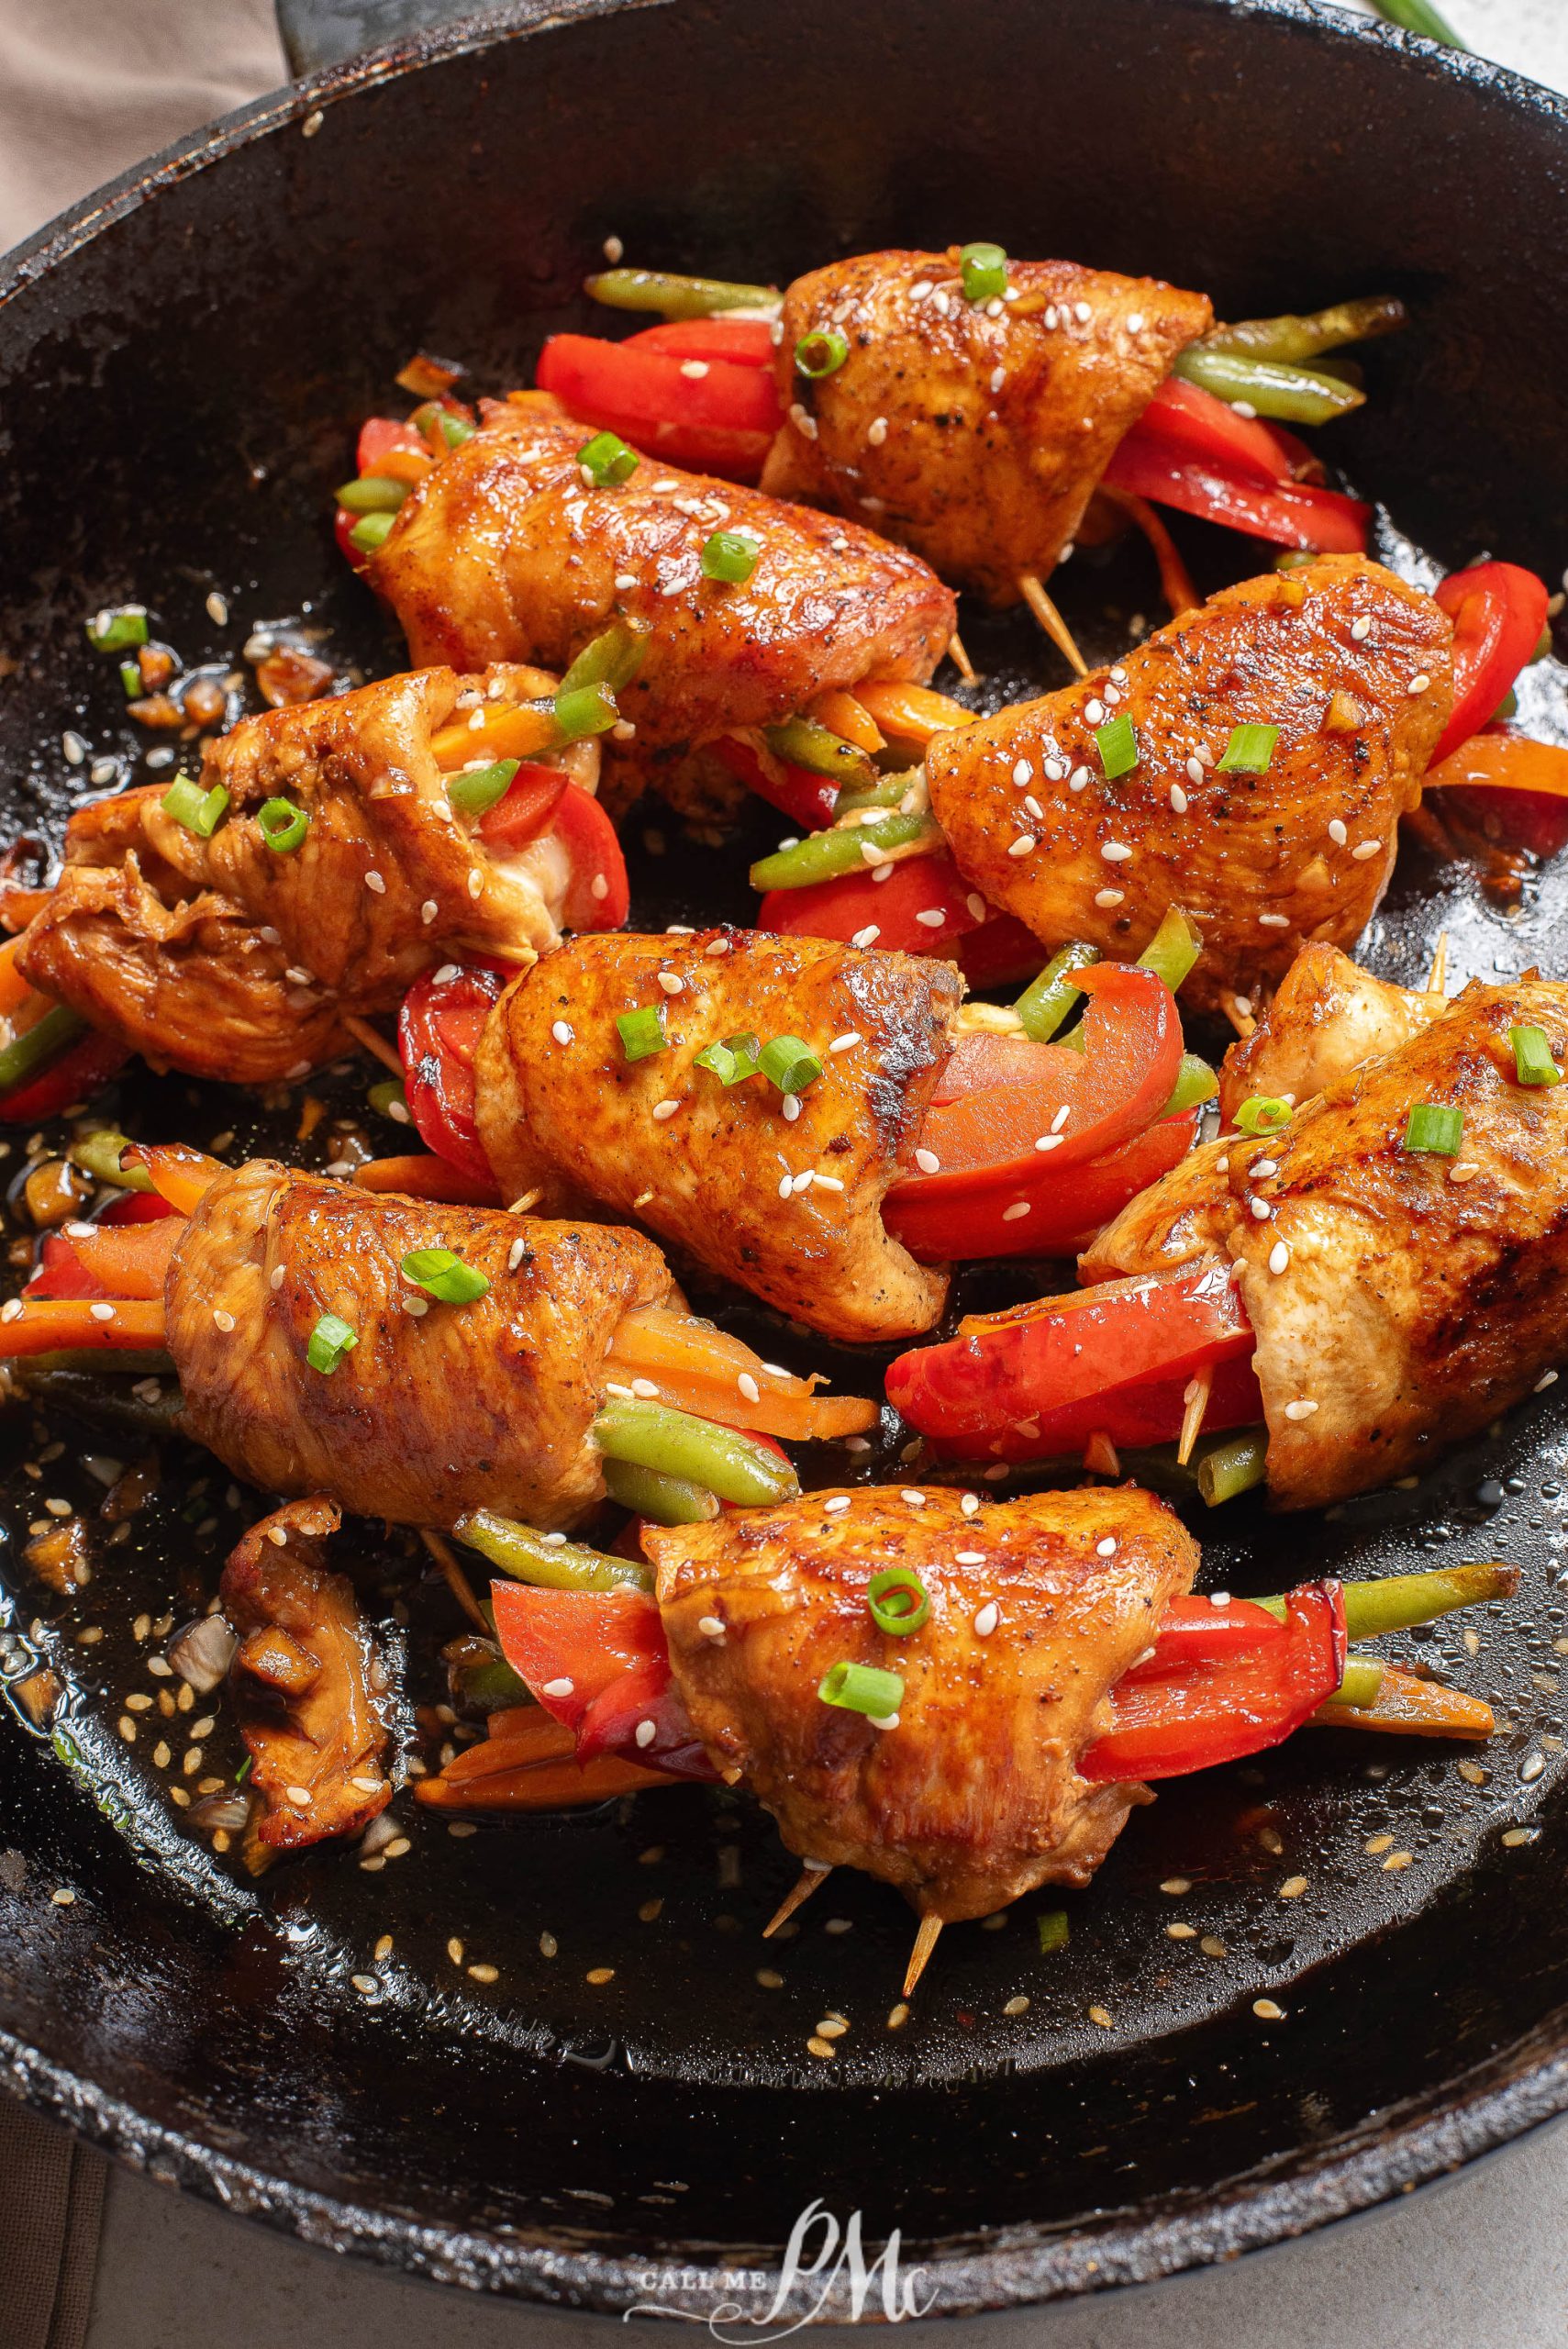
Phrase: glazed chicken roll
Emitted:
{"points": [[509, 550], [1250, 763], [330, 852], [974, 431], [749, 1099], [1327, 1018]]}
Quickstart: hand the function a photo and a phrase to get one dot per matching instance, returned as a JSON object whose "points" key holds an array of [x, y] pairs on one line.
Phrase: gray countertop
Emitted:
{"points": [[1482, 2257]]}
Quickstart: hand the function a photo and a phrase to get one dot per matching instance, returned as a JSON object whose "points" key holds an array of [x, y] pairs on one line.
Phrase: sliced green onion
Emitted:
{"points": [[33, 1050], [443, 1275], [733, 1061], [197, 810], [731, 557], [606, 460], [1263, 1113], [1173, 949], [1052, 1926], [1532, 1056], [1118, 746], [861, 1688], [1195, 1082], [821, 353], [663, 1500], [330, 1340], [244, 1770], [642, 1032], [735, 1466], [1292, 338], [471, 793], [1293, 395], [984, 268], [282, 824], [130, 679], [549, 1565], [99, 1155], [1435, 1128], [370, 494], [388, 1100], [804, 743], [789, 1064], [1234, 1466], [114, 632], [1360, 1683], [582, 710], [822, 855], [612, 658], [371, 531], [898, 1601], [1249, 750], [1046, 1002], [676, 298]]}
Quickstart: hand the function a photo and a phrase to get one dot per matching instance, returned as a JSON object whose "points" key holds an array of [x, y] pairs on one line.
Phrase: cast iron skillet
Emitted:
{"points": [[185, 359]]}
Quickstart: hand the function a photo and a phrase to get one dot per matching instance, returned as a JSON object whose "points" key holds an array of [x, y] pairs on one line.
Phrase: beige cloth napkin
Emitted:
{"points": [[51, 2196]]}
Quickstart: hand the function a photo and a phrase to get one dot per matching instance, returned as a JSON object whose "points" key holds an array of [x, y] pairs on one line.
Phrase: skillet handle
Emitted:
{"points": [[318, 33]]}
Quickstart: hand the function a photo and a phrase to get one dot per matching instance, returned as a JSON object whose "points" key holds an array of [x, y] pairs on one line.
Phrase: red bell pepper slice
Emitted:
{"points": [[748, 341], [531, 799], [75, 1076], [1194, 427], [1061, 1218], [598, 893], [1138, 1414], [1514, 789], [1498, 612], [437, 1034], [721, 422], [992, 949], [126, 1260], [598, 1661], [137, 1206], [380, 434], [1320, 521], [1193, 1631], [1002, 1368], [806, 798], [1195, 1715]]}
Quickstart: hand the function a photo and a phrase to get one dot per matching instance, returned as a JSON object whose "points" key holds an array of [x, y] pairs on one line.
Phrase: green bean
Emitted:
{"points": [[1046, 1002], [887, 791], [32, 1051], [824, 855], [667, 1500], [1234, 1466], [1420, 16], [1173, 949], [1395, 1602], [99, 1155], [371, 495], [1195, 1082], [735, 1466], [518, 1551], [613, 658], [804, 743], [1358, 1686], [483, 1678], [1271, 387], [1291, 338], [676, 298]]}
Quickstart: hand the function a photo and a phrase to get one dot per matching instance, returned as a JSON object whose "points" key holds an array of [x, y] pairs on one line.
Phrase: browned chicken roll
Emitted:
{"points": [[974, 431], [972, 1795], [1328, 1017], [219, 954], [505, 551], [434, 1409], [779, 1192], [1350, 665], [1401, 1296], [308, 1684]]}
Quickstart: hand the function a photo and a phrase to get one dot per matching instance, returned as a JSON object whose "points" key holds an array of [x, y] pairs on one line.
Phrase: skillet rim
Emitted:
{"points": [[1454, 2122]]}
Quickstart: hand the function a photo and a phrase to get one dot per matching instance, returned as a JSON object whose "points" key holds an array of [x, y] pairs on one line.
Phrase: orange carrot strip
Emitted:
{"points": [[181, 1175], [52, 1324], [1176, 582], [523, 1785], [912, 713], [14, 988], [402, 464], [1504, 762], [842, 714], [1408, 1707], [532, 1737], [129, 1260], [698, 1369], [422, 1175], [505, 730]]}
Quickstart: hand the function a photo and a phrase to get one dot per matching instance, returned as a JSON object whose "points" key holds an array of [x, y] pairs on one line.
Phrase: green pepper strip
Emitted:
{"points": [[804, 743], [1173, 949], [613, 658], [1195, 1082], [1294, 394], [1361, 1682], [1046, 1002], [488, 1683], [1234, 1466], [667, 1500], [1290, 340], [824, 855], [891, 791], [33, 1050], [518, 1551], [99, 1155], [676, 298], [733, 1465], [1395, 1602]]}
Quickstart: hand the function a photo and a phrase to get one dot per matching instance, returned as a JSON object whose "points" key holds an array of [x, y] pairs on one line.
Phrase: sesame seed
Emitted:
{"points": [[1279, 1257], [1531, 1767], [375, 882], [1094, 711], [1262, 1210], [928, 1162], [1083, 313], [1420, 683], [1302, 1408], [786, 1184], [987, 1617], [298, 1795], [1293, 1887], [600, 1975], [10, 1310], [483, 1972], [429, 911], [415, 1306], [646, 1733], [828, 1182], [840, 1502], [1398, 1862], [1101, 2015], [561, 1032], [1178, 1932], [1364, 849], [877, 431], [1263, 1167], [851, 1037], [101, 1312], [556, 1688], [662, 1109], [805, 1179], [1109, 897], [74, 747], [1017, 1212], [1023, 844], [931, 918], [867, 937], [1337, 831], [970, 1504], [1023, 772], [1463, 1171], [1115, 851], [694, 368], [749, 1386], [222, 1320], [915, 1499], [1548, 1378], [1105, 1548], [1178, 800], [791, 1107], [1078, 779], [672, 982], [644, 1389], [1273, 921], [1266, 2011]]}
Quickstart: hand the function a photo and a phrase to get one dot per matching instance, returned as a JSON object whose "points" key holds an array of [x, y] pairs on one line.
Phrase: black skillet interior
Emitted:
{"points": [[182, 382]]}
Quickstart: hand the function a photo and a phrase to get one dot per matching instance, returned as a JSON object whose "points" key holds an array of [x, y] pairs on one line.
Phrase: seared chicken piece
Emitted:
{"points": [[1353, 669], [228, 958], [306, 1680], [976, 433], [1327, 1018], [791, 1210], [437, 1408], [1416, 1294], [972, 1795], [504, 551]]}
